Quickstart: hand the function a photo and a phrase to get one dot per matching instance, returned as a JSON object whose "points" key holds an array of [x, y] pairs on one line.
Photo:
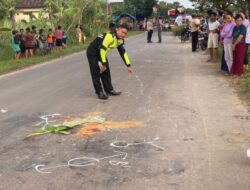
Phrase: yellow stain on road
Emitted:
{"points": [[237, 137], [84, 125], [90, 129]]}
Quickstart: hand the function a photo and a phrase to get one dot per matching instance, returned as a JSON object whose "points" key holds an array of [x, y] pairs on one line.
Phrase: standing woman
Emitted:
{"points": [[247, 39], [226, 33], [79, 33], [15, 43], [29, 39], [238, 46], [224, 66]]}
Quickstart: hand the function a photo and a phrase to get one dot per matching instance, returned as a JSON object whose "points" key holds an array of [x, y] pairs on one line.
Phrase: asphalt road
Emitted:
{"points": [[194, 137]]}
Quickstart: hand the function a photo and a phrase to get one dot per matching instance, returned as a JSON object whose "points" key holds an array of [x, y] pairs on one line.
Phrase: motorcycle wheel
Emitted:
{"points": [[203, 45]]}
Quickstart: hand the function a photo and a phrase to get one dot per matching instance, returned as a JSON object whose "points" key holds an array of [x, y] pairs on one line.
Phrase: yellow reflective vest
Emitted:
{"points": [[104, 43]]}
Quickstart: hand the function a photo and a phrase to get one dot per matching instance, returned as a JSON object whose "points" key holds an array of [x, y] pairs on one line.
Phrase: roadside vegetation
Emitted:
{"points": [[90, 14], [8, 63]]}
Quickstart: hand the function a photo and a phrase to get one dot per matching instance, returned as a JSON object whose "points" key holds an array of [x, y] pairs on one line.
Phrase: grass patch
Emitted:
{"points": [[242, 85], [245, 80], [9, 64], [133, 33]]}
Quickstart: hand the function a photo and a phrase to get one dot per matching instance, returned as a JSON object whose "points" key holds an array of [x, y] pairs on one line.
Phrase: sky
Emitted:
{"points": [[186, 3]]}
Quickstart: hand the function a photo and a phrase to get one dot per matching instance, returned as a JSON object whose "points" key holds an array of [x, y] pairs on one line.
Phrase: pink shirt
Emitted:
{"points": [[59, 34]]}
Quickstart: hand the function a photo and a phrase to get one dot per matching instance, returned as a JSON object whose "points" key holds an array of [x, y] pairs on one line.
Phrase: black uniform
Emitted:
{"points": [[96, 54]]}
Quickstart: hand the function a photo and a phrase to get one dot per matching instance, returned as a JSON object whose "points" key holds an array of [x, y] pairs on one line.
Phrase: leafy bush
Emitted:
{"points": [[5, 46], [177, 30]]}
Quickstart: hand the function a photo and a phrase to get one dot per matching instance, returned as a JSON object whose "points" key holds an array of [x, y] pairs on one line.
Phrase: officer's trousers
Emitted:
{"points": [[98, 77]]}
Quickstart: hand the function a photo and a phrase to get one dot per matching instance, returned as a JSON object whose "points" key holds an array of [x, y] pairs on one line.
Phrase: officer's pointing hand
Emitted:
{"points": [[130, 70]]}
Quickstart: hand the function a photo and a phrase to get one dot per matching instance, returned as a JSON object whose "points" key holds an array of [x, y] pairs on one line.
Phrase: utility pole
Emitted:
{"points": [[248, 7], [107, 7]]}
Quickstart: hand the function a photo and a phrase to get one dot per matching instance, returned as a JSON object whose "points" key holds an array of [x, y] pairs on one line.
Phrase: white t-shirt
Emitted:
{"points": [[178, 20], [213, 25]]}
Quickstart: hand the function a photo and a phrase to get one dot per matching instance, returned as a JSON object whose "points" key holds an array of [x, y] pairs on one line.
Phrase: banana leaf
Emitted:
{"points": [[66, 126]]}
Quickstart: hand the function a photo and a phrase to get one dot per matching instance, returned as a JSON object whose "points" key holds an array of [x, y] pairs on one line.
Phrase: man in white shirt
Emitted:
{"points": [[150, 28], [213, 36]]}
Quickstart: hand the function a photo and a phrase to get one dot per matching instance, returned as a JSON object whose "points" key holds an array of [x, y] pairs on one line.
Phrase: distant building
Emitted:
{"points": [[172, 12], [25, 8], [115, 1]]}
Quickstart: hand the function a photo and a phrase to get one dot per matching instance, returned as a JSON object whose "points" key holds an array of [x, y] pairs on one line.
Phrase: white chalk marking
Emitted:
{"points": [[4, 110], [174, 123], [141, 84], [122, 144], [46, 119], [156, 138], [90, 161], [41, 168], [248, 153], [85, 161]]}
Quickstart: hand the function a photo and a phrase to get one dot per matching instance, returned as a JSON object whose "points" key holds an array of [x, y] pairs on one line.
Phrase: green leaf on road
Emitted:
{"points": [[66, 126]]}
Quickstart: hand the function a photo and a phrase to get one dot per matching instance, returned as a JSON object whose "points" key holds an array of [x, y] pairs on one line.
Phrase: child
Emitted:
{"points": [[15, 43], [64, 40], [22, 38], [50, 39]]}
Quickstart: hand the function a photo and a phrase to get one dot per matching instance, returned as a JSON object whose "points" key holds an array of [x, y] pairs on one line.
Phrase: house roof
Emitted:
{"points": [[30, 4], [115, 19]]}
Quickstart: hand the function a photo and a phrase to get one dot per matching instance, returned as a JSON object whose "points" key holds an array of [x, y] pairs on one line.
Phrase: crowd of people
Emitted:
{"points": [[29, 42], [229, 30], [150, 28]]}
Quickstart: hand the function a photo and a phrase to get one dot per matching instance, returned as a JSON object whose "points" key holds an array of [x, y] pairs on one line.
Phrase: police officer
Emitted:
{"points": [[98, 62]]}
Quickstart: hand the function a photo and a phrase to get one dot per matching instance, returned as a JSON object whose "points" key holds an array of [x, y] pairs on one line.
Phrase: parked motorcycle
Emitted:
{"points": [[185, 35], [203, 40]]}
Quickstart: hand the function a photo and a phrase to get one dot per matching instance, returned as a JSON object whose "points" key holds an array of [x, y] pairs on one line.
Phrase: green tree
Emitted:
{"points": [[141, 8], [163, 9], [8, 11], [70, 13], [176, 4], [204, 5], [117, 9]]}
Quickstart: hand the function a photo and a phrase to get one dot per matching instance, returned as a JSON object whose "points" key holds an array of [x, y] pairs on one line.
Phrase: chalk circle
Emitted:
{"points": [[119, 144], [248, 153], [82, 162], [39, 169]]}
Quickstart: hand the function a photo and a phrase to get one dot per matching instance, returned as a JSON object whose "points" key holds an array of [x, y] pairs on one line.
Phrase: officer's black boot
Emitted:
{"points": [[114, 93], [102, 96]]}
